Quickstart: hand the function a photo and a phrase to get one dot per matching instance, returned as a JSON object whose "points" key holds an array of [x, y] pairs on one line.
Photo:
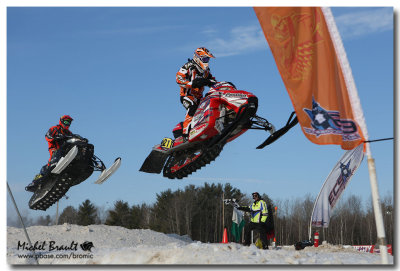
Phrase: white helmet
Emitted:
{"points": [[202, 56]]}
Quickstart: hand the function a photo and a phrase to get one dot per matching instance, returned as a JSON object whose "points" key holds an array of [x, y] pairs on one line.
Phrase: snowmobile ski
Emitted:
{"points": [[105, 174], [65, 161], [274, 136]]}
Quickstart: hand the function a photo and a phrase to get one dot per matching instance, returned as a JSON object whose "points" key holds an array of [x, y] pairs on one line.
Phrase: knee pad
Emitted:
{"points": [[186, 102]]}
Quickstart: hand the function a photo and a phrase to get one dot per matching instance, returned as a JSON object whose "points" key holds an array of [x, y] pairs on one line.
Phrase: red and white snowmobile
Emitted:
{"points": [[223, 114]]}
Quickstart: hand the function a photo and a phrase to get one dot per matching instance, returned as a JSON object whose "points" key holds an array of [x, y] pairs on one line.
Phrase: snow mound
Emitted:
{"points": [[101, 244]]}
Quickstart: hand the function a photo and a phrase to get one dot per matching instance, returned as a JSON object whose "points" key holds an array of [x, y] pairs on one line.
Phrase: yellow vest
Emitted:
{"points": [[259, 212]]}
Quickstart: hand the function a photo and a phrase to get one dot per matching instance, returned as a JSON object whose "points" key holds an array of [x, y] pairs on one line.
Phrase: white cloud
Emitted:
{"points": [[242, 39], [237, 41], [362, 23], [140, 30]]}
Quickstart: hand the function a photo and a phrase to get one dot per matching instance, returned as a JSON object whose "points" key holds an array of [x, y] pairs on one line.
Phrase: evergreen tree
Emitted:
{"points": [[137, 214], [68, 215], [194, 211], [44, 221], [87, 213], [267, 199], [120, 216], [162, 213]]}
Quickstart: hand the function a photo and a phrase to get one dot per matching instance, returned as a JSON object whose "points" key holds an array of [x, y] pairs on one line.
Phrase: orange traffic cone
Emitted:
{"points": [[225, 237]]}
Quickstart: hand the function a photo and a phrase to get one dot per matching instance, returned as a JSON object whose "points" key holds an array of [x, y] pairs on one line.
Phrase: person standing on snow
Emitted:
{"points": [[258, 220], [55, 137], [192, 77]]}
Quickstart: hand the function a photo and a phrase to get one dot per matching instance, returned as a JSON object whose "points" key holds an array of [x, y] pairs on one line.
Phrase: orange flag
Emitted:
{"points": [[313, 73]]}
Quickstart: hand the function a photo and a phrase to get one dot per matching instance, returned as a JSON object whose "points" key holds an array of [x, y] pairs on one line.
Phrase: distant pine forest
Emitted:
{"points": [[199, 212]]}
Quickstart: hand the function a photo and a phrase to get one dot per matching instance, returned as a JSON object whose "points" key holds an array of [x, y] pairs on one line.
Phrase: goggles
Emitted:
{"points": [[67, 122], [205, 59]]}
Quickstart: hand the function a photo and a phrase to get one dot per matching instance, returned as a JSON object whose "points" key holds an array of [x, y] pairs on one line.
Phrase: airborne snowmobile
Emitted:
{"points": [[222, 115], [72, 164]]}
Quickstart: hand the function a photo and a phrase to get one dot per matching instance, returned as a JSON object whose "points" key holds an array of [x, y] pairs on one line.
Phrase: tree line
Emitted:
{"points": [[199, 212], [351, 222]]}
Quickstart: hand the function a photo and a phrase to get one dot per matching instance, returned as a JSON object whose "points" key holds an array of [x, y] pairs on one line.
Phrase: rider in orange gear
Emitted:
{"points": [[192, 77], [55, 136]]}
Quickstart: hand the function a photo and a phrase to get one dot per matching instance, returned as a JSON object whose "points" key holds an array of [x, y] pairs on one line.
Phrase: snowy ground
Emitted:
{"points": [[116, 245]]}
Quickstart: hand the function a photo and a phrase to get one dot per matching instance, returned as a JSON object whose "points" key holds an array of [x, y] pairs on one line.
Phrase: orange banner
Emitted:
{"points": [[304, 52]]}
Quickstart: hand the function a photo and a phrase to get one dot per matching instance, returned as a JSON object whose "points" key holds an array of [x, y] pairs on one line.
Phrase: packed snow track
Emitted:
{"points": [[101, 244]]}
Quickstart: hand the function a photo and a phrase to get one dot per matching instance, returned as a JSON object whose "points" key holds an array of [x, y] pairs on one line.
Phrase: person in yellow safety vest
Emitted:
{"points": [[258, 213]]}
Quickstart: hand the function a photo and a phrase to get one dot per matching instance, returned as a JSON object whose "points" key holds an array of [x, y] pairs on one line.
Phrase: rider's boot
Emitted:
{"points": [[44, 171], [39, 179], [186, 123], [178, 130]]}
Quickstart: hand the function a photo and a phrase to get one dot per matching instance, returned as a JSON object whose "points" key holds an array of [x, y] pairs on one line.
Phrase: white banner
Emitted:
{"points": [[334, 185]]}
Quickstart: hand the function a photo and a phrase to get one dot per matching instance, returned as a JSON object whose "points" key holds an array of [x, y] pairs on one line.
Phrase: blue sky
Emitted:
{"points": [[113, 70]]}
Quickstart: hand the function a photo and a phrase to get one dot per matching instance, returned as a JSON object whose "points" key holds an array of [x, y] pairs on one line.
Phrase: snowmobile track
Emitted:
{"points": [[51, 192], [204, 159], [57, 191]]}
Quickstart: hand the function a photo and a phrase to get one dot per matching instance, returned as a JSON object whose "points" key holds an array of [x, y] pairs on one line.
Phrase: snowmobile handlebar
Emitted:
{"points": [[74, 139], [70, 139]]}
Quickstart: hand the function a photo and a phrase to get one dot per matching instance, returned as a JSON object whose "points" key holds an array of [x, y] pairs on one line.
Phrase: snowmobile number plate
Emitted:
{"points": [[167, 143]]}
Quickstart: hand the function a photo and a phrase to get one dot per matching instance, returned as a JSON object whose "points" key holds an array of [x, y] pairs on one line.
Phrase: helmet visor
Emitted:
{"points": [[67, 122], [205, 59]]}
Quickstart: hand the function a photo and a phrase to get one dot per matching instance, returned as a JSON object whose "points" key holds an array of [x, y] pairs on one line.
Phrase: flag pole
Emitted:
{"points": [[312, 212], [380, 228], [223, 213], [316, 200], [359, 116], [315, 204]]}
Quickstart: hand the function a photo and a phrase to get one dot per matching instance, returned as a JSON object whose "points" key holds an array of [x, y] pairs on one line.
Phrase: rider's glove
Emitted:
{"points": [[211, 82], [59, 138], [201, 82]]}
